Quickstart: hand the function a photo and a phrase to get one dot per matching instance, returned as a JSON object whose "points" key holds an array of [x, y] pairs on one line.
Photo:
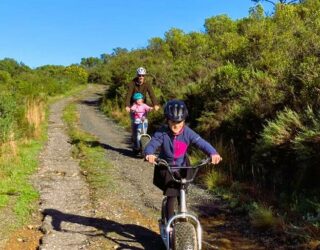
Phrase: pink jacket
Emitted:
{"points": [[140, 110]]}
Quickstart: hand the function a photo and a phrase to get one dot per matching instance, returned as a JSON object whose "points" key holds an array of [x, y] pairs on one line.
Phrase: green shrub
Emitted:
{"points": [[8, 111], [262, 217], [281, 130], [4, 77]]}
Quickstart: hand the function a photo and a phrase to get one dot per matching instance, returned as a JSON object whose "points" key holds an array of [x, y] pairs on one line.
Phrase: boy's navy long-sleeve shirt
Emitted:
{"points": [[173, 148]]}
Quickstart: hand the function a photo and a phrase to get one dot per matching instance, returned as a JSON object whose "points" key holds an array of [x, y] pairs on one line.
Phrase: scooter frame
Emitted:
{"points": [[182, 212], [143, 133]]}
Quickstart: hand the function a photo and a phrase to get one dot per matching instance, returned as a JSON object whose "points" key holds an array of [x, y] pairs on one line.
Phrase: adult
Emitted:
{"points": [[139, 85]]}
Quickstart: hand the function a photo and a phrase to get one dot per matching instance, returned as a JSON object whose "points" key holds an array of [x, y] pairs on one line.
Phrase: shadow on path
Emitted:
{"points": [[126, 152], [94, 102], [128, 233], [122, 151]]}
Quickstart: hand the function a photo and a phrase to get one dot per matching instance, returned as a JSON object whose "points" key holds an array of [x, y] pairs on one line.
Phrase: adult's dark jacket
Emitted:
{"points": [[144, 88]]}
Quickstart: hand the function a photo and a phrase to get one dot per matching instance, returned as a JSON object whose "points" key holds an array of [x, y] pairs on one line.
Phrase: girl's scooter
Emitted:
{"points": [[183, 230], [143, 137]]}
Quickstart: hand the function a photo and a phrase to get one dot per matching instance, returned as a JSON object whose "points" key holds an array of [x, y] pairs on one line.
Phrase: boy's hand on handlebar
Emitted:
{"points": [[151, 158], [215, 159], [156, 107], [128, 109]]}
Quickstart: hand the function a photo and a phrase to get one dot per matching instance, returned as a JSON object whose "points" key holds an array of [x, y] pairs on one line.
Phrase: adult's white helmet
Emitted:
{"points": [[141, 71]]}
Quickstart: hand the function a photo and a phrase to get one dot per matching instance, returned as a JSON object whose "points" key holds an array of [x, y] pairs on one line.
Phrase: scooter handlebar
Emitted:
{"points": [[172, 168]]}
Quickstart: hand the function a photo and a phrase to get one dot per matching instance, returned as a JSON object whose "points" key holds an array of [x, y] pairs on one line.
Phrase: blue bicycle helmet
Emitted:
{"points": [[176, 110], [137, 96]]}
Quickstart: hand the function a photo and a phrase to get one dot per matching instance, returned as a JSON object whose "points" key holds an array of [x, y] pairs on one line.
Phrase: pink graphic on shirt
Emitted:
{"points": [[180, 148]]}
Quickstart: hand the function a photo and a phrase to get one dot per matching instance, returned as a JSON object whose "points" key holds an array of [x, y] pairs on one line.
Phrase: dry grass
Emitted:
{"points": [[262, 217], [35, 115], [120, 116], [229, 155], [214, 179], [116, 113], [9, 149]]}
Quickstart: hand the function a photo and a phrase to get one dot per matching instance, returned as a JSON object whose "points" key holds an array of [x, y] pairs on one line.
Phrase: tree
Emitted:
{"points": [[219, 25], [105, 58], [90, 62], [118, 51], [13, 67], [280, 1], [178, 42]]}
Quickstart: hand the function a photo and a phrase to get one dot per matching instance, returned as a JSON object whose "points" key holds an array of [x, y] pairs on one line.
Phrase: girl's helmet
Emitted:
{"points": [[176, 110], [137, 96], [141, 71]]}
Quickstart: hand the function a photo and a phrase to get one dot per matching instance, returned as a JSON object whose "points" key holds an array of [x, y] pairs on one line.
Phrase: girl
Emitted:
{"points": [[139, 114]]}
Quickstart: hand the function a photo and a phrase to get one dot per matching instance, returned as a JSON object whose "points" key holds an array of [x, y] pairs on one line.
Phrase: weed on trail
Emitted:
{"points": [[91, 155]]}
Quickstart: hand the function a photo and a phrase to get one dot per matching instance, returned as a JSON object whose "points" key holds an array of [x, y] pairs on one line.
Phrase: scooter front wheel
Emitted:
{"points": [[184, 236]]}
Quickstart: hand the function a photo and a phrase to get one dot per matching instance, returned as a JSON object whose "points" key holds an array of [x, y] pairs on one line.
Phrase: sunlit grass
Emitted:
{"points": [[15, 172], [86, 148], [262, 217], [214, 179]]}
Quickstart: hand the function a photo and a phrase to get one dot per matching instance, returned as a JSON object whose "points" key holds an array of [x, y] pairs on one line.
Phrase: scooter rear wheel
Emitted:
{"points": [[144, 140], [184, 236]]}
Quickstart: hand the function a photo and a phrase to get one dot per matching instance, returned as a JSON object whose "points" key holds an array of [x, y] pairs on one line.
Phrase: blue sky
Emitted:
{"points": [[61, 32]]}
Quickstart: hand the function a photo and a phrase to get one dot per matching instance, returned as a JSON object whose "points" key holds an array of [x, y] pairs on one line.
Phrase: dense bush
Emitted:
{"points": [[252, 83]]}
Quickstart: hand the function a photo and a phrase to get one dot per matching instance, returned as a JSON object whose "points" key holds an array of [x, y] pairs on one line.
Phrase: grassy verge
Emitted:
{"points": [[18, 198], [18, 161], [71, 92], [91, 155], [15, 188]]}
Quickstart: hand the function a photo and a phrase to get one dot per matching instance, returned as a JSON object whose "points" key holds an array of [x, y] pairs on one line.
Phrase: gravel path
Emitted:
{"points": [[65, 201], [131, 203], [133, 176], [124, 215]]}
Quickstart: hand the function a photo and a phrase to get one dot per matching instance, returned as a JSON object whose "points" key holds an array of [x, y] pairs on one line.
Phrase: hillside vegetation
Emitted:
{"points": [[252, 86], [24, 92]]}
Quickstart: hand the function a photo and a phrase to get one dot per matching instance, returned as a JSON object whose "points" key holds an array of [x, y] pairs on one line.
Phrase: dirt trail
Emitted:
{"points": [[140, 200], [131, 202], [65, 200], [124, 216]]}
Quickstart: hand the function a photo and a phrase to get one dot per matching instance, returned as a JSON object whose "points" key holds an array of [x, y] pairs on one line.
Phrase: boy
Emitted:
{"points": [[173, 141]]}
